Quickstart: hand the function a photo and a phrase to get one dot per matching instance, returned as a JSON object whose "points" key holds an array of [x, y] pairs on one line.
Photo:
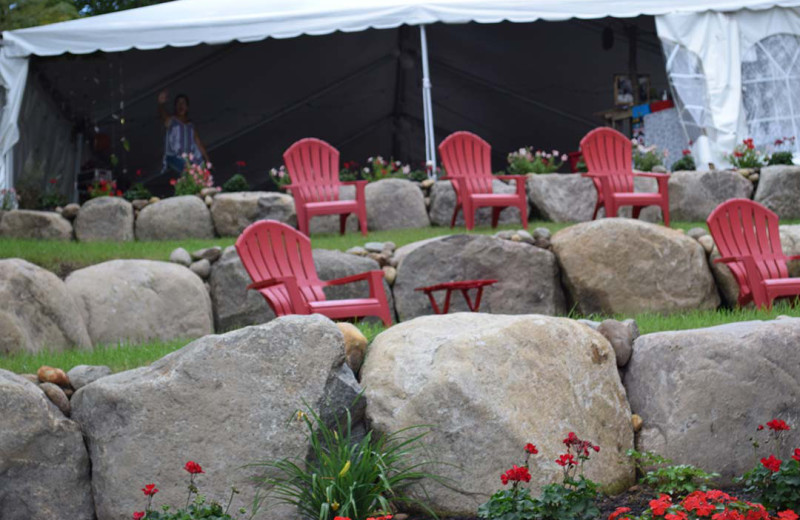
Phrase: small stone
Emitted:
{"points": [[209, 200], [56, 376], [505, 235], [57, 396], [208, 192], [754, 177], [211, 254], [355, 345], [153, 200], [82, 375], [389, 273], [707, 242], [59, 210], [181, 256], [427, 202], [374, 247], [589, 323], [516, 238], [400, 516], [541, 237], [33, 378], [697, 232], [659, 168], [426, 184], [620, 335], [70, 211], [394, 262], [391, 246], [381, 259], [357, 250], [783, 317], [138, 204], [68, 392], [201, 268], [636, 422]]}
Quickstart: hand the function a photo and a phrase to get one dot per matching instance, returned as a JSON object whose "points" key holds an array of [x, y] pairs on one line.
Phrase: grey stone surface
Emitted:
{"points": [[44, 225], [211, 254], [779, 190], [489, 384], [70, 211], [180, 256], [612, 266], [44, 467], [621, 336], [82, 375], [105, 218], [222, 401], [37, 312], [443, 201], [561, 198], [175, 218], [693, 195], [703, 392], [140, 300], [201, 268], [56, 396], [527, 276], [232, 212], [395, 204]]}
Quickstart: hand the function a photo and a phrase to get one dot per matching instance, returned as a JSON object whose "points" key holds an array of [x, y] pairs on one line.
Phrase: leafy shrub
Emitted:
{"points": [[194, 178], [776, 481], [572, 499], [784, 157], [51, 198], [712, 504], [645, 158], [195, 509], [137, 192], [527, 160], [746, 155], [280, 176], [677, 480], [236, 183], [8, 199], [346, 477], [103, 188], [685, 163]]}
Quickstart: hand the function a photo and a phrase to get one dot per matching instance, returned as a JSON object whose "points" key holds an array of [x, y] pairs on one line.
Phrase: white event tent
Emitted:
{"points": [[730, 62]]}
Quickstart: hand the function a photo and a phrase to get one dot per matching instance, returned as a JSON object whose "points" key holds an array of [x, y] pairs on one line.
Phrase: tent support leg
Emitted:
{"points": [[427, 108]]}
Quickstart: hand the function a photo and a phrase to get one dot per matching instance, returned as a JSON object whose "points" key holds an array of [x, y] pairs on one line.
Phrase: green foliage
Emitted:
{"points": [[645, 158], [51, 198], [778, 490], [346, 476], [527, 160], [746, 155], [685, 163], [95, 7], [677, 480], [8, 199], [236, 183], [138, 192], [18, 14], [509, 504], [280, 176], [784, 157], [197, 510], [574, 499]]}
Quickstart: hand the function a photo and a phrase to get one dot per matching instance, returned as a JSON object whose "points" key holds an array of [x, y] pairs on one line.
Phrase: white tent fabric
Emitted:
{"points": [[745, 69], [191, 22]]}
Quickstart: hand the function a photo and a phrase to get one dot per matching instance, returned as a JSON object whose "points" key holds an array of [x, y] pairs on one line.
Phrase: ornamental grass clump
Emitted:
{"points": [[347, 477], [574, 498], [776, 481]]}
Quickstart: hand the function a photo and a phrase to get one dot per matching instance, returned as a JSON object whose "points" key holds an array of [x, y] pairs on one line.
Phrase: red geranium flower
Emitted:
{"points": [[772, 463], [660, 506], [530, 448], [778, 425], [619, 511], [341, 518], [677, 515], [172, 182], [760, 427], [565, 460], [787, 515], [53, 181], [119, 193], [697, 502], [757, 512], [571, 439], [687, 152], [193, 467], [796, 455], [516, 474], [718, 496], [138, 515], [241, 164], [149, 490], [738, 154]]}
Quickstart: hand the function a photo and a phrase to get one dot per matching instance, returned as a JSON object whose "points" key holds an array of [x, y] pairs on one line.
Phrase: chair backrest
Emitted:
{"points": [[744, 227], [313, 167], [608, 152], [466, 155], [270, 249]]}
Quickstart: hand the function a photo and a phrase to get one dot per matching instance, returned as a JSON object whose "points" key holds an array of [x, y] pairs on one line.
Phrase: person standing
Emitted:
{"points": [[181, 136]]}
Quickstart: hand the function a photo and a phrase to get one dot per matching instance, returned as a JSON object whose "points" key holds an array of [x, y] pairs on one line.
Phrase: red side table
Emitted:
{"points": [[463, 286]]}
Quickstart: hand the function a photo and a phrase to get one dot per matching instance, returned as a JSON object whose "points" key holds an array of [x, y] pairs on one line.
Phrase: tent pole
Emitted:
{"points": [[427, 107]]}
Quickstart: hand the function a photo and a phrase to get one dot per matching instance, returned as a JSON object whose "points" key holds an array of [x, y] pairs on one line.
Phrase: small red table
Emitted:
{"points": [[463, 286]]}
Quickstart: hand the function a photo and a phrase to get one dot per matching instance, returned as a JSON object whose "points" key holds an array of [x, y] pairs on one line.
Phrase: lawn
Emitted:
{"points": [[65, 257]]}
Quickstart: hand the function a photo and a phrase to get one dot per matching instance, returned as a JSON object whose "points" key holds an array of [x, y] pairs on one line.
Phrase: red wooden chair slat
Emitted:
{"points": [[608, 158], [279, 261], [467, 160], [313, 167], [746, 234]]}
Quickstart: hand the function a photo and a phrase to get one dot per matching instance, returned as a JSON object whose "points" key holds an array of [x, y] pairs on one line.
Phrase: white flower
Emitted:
{"points": [[366, 170], [273, 172], [522, 151], [406, 169], [538, 153], [208, 165], [564, 157], [398, 163], [555, 153]]}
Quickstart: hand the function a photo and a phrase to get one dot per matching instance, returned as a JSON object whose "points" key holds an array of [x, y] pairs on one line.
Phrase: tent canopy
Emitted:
{"points": [[186, 23]]}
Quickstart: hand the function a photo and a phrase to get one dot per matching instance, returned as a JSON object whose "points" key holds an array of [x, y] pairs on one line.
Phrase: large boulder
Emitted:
{"points": [[221, 401], [42, 225], [36, 311], [527, 276], [618, 265], [44, 467], [395, 204], [141, 300], [790, 243], [105, 218], [694, 195], [702, 393], [561, 198], [779, 190], [443, 201], [489, 384], [235, 306], [232, 212], [175, 218]]}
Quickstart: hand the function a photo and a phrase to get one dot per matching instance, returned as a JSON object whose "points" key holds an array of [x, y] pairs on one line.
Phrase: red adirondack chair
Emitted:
{"points": [[278, 259], [746, 234], [313, 167], [608, 157], [467, 160]]}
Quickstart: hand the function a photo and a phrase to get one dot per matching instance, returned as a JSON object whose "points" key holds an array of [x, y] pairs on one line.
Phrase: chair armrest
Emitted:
{"points": [[348, 279], [792, 258], [520, 182], [361, 195], [353, 183], [375, 278], [290, 283], [727, 259], [289, 186], [652, 175], [523, 178]]}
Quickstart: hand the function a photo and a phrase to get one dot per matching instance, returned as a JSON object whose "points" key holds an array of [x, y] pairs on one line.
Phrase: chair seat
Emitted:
{"points": [[332, 304], [332, 206], [638, 198], [495, 199]]}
